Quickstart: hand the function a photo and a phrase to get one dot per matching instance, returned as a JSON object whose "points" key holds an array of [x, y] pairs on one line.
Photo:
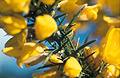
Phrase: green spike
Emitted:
{"points": [[84, 45], [73, 20], [59, 16]]}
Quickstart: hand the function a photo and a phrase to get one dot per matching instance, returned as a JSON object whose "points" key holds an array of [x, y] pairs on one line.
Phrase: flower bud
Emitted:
{"points": [[13, 25], [72, 67], [89, 12], [45, 26], [55, 59]]}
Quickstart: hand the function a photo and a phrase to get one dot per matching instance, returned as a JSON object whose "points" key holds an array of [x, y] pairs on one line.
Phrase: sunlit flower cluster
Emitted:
{"points": [[45, 31]]}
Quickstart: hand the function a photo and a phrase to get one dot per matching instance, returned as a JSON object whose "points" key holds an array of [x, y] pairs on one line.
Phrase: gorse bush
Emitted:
{"points": [[32, 23]]}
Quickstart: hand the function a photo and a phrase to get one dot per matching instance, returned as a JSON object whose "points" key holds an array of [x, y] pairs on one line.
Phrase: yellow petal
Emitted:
{"points": [[19, 5], [17, 21], [48, 2], [88, 51], [111, 47], [10, 30], [41, 58], [12, 51], [7, 20], [89, 12], [72, 68], [67, 6], [45, 26], [112, 21], [29, 50], [96, 50], [44, 47], [52, 73], [21, 37], [13, 25], [55, 59], [11, 42], [109, 72], [113, 70], [5, 9]]}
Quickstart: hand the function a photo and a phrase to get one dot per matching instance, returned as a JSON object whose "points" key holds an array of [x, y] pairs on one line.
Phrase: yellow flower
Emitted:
{"points": [[5, 8], [13, 25], [41, 58], [110, 46], [113, 70], [55, 59], [29, 52], [45, 26], [110, 72], [19, 5], [89, 12], [72, 67], [97, 58], [48, 2], [112, 21], [44, 47], [80, 2], [38, 60], [114, 5], [52, 73], [18, 39], [67, 6]]}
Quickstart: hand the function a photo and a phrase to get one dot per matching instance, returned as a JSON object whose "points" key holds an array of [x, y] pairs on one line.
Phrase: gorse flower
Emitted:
{"points": [[5, 8], [39, 59], [45, 26], [10, 6], [13, 25], [89, 12], [110, 72], [34, 22], [29, 52], [110, 46], [19, 5], [55, 59], [48, 2], [18, 39], [97, 58], [112, 21], [67, 6], [52, 73], [72, 68]]}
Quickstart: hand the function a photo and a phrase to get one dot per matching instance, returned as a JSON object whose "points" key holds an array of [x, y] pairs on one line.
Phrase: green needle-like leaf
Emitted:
{"points": [[88, 56], [62, 20], [50, 65], [84, 45], [86, 39], [59, 16], [73, 20]]}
